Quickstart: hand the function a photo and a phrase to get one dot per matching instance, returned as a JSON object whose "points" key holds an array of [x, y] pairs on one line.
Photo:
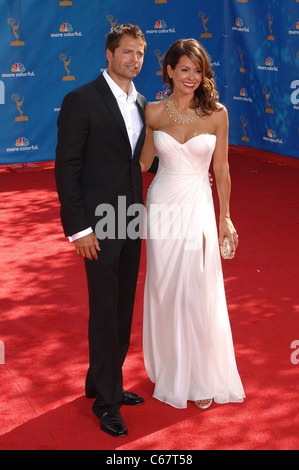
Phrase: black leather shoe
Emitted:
{"points": [[112, 423], [128, 398], [131, 399]]}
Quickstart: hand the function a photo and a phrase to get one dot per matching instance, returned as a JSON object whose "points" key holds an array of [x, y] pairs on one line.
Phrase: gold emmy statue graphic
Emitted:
{"points": [[242, 69], [11, 22], [267, 96], [157, 53], [65, 3], [165, 1], [67, 77], [242, 1], [270, 20], [244, 124], [110, 19], [204, 20], [19, 104]]}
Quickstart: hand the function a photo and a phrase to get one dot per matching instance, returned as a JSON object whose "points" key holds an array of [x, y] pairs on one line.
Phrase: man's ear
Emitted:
{"points": [[109, 54]]}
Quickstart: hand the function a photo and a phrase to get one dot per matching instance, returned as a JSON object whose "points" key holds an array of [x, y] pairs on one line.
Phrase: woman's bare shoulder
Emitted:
{"points": [[154, 107], [221, 107], [153, 111], [221, 116]]}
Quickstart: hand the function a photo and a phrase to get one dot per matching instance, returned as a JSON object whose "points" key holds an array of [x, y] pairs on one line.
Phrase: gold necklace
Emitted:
{"points": [[179, 117]]}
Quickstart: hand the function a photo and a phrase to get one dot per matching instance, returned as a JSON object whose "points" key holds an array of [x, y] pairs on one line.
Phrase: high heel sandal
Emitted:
{"points": [[203, 404]]}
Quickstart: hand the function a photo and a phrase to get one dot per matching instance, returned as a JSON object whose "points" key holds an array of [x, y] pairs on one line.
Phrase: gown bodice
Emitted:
{"points": [[194, 155]]}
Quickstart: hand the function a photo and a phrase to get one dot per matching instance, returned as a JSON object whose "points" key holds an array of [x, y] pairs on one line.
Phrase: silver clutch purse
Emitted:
{"points": [[226, 250]]}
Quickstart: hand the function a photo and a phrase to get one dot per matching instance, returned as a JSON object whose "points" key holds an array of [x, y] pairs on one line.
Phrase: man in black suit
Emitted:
{"points": [[101, 130]]}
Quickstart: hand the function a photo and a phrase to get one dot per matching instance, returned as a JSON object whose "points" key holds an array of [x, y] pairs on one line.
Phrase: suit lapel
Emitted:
{"points": [[140, 108], [140, 105], [113, 107], [111, 102], [140, 140]]}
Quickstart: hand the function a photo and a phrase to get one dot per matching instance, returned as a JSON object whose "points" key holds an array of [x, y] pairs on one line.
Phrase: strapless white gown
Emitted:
{"points": [[187, 340]]}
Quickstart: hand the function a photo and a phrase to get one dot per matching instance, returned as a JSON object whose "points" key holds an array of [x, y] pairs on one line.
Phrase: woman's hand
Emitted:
{"points": [[226, 227]]}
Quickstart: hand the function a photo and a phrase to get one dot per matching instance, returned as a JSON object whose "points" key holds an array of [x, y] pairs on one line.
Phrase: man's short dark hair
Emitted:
{"points": [[114, 36]]}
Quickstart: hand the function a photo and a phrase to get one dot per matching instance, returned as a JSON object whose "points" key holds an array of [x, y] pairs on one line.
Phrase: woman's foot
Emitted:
{"points": [[203, 404]]}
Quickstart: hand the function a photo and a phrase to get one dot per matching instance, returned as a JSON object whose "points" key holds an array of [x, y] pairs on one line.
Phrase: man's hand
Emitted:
{"points": [[87, 246]]}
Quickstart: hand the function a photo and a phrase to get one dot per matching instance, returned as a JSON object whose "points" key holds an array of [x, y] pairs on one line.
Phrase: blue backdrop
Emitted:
{"points": [[49, 47]]}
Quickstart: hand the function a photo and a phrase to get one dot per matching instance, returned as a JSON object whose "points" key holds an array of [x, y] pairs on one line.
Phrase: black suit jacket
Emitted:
{"points": [[94, 163]]}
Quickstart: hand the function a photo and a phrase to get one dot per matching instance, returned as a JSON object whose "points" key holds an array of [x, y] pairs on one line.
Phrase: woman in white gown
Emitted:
{"points": [[188, 347]]}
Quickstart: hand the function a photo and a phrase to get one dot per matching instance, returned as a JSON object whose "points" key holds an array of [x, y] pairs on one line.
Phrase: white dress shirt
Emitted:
{"points": [[133, 122]]}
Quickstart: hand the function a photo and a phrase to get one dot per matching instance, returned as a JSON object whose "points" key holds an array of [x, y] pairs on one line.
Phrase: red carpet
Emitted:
{"points": [[43, 324]]}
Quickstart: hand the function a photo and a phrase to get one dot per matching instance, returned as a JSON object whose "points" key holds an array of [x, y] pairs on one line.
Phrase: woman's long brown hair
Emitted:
{"points": [[206, 96]]}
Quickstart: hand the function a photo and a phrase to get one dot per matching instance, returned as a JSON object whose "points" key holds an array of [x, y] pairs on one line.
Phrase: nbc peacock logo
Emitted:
{"points": [[162, 94], [271, 134], [243, 96], [239, 26], [160, 24], [18, 67], [272, 137], [269, 65], [22, 144], [66, 30], [18, 70], [22, 141]]}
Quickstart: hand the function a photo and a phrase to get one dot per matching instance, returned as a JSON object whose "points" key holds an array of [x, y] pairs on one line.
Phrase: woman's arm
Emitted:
{"points": [[222, 177], [148, 151]]}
